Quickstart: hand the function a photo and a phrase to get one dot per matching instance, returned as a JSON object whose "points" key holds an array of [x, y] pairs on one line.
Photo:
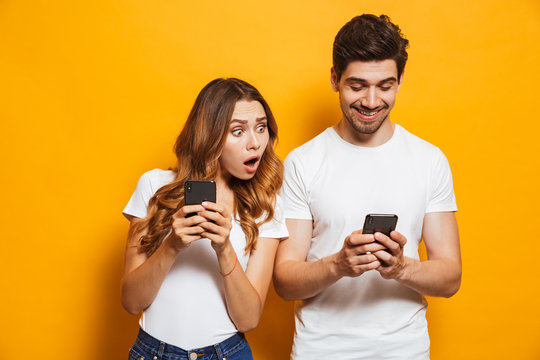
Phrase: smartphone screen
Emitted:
{"points": [[383, 223]]}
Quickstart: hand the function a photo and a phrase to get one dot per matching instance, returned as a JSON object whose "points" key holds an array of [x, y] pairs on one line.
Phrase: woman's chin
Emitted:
{"points": [[245, 175]]}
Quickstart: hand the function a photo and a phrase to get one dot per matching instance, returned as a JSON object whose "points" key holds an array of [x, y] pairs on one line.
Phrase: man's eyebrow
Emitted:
{"points": [[353, 79]]}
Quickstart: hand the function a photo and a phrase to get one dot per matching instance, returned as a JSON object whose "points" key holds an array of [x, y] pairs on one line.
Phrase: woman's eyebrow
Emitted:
{"points": [[260, 119]]}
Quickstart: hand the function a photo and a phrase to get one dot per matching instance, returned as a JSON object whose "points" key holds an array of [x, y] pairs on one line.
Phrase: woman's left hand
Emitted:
{"points": [[218, 226]]}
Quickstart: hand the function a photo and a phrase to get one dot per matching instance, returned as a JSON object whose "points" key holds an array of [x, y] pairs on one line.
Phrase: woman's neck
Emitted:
{"points": [[224, 193]]}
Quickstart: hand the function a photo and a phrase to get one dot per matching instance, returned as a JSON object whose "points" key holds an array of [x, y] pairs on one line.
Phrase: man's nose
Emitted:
{"points": [[370, 99]]}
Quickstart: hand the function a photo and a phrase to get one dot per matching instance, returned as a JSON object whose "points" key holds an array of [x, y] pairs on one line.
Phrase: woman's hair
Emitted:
{"points": [[198, 148]]}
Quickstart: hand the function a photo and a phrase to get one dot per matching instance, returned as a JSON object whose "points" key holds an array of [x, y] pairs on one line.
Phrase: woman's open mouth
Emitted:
{"points": [[252, 164]]}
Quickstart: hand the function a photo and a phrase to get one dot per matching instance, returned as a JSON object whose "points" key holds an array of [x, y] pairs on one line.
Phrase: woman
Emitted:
{"points": [[202, 280]]}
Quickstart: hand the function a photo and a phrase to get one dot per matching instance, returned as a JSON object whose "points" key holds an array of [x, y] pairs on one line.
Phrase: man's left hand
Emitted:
{"points": [[392, 259]]}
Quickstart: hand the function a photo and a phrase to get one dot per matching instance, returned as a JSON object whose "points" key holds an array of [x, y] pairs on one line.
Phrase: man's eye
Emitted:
{"points": [[356, 88], [385, 88]]}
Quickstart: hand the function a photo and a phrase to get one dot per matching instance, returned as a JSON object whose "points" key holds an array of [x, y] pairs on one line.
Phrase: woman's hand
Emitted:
{"points": [[217, 225], [185, 230]]}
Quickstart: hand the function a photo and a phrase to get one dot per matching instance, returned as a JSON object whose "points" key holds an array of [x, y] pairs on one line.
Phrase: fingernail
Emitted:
{"points": [[204, 203]]}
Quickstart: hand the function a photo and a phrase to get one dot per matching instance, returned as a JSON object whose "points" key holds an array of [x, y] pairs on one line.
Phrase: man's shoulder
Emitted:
{"points": [[314, 148], [307, 160], [417, 144]]}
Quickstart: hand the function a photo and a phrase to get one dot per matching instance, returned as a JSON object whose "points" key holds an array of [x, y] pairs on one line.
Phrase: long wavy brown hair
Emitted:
{"points": [[198, 148]]}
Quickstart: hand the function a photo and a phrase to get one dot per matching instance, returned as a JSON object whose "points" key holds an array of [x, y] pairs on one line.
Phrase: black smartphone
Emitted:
{"points": [[197, 191], [383, 223]]}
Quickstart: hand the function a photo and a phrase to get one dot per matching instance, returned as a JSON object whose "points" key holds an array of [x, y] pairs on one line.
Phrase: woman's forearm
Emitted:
{"points": [[141, 285], [244, 303]]}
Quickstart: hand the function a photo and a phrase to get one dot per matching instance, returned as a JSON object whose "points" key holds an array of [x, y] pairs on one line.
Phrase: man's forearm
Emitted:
{"points": [[296, 280], [437, 277]]}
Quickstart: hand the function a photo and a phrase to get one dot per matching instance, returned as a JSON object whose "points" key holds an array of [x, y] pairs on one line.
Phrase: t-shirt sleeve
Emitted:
{"points": [[275, 228], [294, 191], [138, 204], [441, 196]]}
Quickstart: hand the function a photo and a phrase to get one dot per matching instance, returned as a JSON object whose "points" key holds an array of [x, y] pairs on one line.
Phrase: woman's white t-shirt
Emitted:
{"points": [[189, 310]]}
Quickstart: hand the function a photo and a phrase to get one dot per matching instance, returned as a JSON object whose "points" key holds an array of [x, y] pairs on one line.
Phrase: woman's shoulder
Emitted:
{"points": [[156, 178], [148, 184]]}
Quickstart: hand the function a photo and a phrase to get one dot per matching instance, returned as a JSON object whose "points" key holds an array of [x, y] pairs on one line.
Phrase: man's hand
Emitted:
{"points": [[392, 260], [357, 254]]}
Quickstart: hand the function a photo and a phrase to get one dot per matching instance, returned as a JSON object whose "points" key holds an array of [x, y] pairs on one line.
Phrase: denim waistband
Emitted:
{"points": [[166, 351]]}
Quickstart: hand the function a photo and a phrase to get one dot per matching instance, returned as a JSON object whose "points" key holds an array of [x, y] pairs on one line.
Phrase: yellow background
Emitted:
{"points": [[94, 93]]}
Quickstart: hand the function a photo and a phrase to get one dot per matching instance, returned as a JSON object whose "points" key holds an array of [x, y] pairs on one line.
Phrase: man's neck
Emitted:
{"points": [[379, 137]]}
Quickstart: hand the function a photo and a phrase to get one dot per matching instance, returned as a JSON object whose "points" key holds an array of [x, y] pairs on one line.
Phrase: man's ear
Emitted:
{"points": [[400, 81], [333, 79]]}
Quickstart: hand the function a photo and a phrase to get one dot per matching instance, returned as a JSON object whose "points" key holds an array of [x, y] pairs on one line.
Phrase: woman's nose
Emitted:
{"points": [[253, 142]]}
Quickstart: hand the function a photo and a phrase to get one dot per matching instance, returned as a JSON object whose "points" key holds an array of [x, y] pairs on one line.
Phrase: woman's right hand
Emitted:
{"points": [[185, 230]]}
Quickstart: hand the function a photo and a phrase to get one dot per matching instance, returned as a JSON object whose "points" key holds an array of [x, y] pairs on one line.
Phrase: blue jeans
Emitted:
{"points": [[147, 347]]}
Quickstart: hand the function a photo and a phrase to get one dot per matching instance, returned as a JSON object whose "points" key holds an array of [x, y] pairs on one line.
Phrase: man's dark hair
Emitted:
{"points": [[369, 38]]}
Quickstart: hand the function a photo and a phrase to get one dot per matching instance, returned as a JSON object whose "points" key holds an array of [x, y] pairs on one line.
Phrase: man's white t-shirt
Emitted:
{"points": [[189, 310], [336, 184]]}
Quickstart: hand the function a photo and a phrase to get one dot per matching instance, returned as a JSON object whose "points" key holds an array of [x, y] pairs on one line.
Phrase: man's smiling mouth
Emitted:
{"points": [[368, 113]]}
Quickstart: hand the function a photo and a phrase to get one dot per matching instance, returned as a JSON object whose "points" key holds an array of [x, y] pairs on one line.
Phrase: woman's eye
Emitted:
{"points": [[237, 132], [261, 128]]}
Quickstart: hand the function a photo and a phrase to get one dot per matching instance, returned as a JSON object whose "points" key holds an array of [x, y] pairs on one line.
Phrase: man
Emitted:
{"points": [[362, 295]]}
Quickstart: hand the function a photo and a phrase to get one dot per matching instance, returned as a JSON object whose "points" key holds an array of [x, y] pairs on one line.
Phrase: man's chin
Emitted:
{"points": [[366, 128]]}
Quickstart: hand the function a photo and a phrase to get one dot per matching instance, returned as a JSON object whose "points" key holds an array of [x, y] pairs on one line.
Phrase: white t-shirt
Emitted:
{"points": [[189, 310], [335, 184]]}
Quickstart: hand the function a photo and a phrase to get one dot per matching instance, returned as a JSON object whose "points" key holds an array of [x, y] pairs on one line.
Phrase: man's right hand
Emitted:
{"points": [[355, 256], [297, 278]]}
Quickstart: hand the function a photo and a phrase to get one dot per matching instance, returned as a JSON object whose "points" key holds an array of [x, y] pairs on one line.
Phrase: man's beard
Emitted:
{"points": [[361, 126]]}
